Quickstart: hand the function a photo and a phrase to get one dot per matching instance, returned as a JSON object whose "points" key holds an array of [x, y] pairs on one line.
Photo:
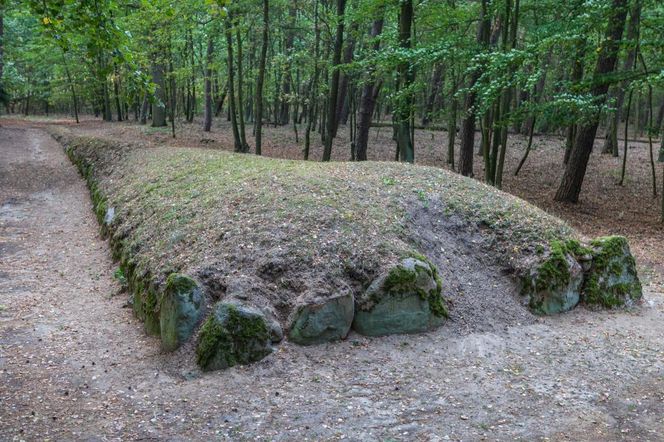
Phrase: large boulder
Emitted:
{"points": [[406, 299], [322, 319], [612, 280], [182, 306], [553, 284], [233, 334]]}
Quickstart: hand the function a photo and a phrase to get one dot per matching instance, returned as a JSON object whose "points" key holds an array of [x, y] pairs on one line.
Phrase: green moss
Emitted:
{"points": [[180, 283], [437, 304], [400, 279], [403, 280], [232, 336], [553, 273], [612, 280], [213, 336], [120, 277], [576, 249], [151, 310]]}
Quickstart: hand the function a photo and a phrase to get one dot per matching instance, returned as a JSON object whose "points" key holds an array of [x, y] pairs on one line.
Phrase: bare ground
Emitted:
{"points": [[75, 364]]}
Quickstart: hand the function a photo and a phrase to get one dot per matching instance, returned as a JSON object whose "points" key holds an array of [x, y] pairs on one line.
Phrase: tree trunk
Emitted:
{"points": [[258, 124], [452, 129], [468, 124], [2, 41], [342, 101], [222, 99], [116, 91], [575, 171], [232, 108], [334, 81], [507, 99], [286, 87], [611, 141], [207, 120], [370, 93], [311, 118], [4, 95], [69, 80], [192, 62], [434, 92], [577, 76], [405, 80], [144, 109], [240, 87], [159, 105]]}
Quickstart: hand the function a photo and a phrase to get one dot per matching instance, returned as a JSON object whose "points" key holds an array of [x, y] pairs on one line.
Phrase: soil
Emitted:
{"points": [[75, 363]]}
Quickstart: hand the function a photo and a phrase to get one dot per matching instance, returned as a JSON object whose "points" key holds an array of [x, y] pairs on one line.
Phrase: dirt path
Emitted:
{"points": [[75, 364]]}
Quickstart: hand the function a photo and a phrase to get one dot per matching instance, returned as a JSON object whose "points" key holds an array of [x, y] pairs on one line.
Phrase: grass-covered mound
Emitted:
{"points": [[309, 250]]}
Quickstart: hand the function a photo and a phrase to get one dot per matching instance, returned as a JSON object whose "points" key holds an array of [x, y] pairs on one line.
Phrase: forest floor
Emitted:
{"points": [[75, 364]]}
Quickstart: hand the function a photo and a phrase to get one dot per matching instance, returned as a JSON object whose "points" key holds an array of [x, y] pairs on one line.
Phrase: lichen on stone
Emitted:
{"points": [[232, 335], [612, 280], [405, 299], [180, 310], [553, 284]]}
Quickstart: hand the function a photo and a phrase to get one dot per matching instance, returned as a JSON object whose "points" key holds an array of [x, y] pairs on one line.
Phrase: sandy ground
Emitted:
{"points": [[75, 364]]}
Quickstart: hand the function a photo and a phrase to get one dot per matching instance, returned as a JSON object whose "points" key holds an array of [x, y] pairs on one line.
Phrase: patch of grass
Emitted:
{"points": [[120, 276]]}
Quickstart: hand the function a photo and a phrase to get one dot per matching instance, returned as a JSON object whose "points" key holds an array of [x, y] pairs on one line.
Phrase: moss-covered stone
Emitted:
{"points": [[182, 306], [323, 321], [612, 280], [553, 284], [151, 309], [232, 334], [406, 299]]}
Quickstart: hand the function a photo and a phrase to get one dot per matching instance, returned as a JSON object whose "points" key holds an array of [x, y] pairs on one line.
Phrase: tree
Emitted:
{"points": [[404, 83], [611, 141], [570, 186], [370, 93], [466, 152], [207, 122], [334, 81], [232, 103], [261, 78]]}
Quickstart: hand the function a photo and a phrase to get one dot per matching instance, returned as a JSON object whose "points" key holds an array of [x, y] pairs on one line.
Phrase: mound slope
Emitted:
{"points": [[230, 253]]}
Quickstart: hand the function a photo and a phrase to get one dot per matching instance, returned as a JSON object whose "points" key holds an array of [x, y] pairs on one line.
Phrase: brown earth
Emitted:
{"points": [[75, 364]]}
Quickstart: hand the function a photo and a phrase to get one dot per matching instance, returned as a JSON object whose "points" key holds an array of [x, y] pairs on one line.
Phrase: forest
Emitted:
{"points": [[585, 70], [366, 220]]}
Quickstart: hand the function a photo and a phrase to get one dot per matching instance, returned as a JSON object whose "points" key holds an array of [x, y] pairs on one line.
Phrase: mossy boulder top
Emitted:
{"points": [[405, 299], [612, 280], [601, 274]]}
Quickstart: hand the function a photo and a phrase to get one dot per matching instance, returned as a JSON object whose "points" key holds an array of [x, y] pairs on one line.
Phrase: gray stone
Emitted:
{"points": [[555, 285], [109, 216], [276, 332], [323, 320], [233, 334], [406, 299], [612, 280], [181, 308]]}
